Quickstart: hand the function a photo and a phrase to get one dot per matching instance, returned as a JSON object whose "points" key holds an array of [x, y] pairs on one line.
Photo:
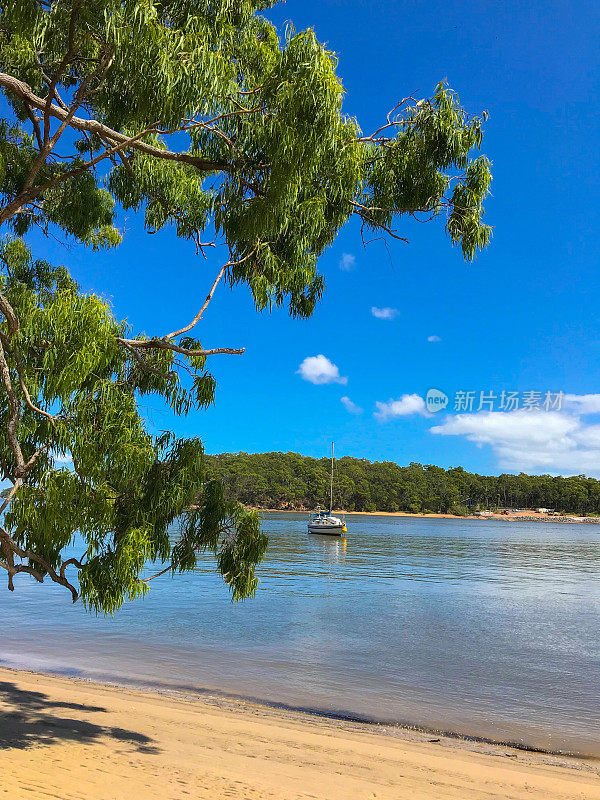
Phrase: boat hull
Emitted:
{"points": [[327, 530]]}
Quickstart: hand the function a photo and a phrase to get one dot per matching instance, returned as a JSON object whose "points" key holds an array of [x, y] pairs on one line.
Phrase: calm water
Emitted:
{"points": [[485, 628]]}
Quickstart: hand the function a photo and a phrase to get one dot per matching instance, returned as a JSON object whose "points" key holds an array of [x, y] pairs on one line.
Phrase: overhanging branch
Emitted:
{"points": [[10, 549], [26, 93]]}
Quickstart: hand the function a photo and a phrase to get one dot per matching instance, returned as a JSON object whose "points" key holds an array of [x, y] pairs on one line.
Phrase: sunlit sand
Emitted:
{"points": [[75, 740]]}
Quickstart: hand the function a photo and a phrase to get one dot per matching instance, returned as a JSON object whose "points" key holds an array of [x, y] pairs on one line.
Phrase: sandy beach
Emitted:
{"points": [[74, 740], [527, 515]]}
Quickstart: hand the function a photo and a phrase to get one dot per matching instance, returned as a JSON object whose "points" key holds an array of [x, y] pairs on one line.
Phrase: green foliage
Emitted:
{"points": [[289, 480], [246, 134], [413, 174], [126, 489]]}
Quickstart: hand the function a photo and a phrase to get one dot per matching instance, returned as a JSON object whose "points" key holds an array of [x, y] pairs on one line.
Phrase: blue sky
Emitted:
{"points": [[524, 316]]}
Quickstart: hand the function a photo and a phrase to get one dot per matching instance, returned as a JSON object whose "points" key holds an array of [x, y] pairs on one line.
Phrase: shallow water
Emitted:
{"points": [[487, 628]]}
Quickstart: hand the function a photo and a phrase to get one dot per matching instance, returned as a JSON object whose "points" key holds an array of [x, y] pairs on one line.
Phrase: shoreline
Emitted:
{"points": [[526, 516], [273, 752], [219, 697]]}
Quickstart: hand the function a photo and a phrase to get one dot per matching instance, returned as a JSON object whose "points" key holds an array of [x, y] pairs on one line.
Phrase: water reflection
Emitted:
{"points": [[332, 548]]}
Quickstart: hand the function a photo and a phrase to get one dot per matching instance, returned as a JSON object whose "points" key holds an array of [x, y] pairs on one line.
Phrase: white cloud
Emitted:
{"points": [[347, 262], [532, 441], [319, 370], [384, 313], [350, 406], [582, 403], [434, 339], [407, 405]]}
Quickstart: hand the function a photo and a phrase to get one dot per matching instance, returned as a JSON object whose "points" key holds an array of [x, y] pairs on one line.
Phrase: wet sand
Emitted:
{"points": [[70, 739]]}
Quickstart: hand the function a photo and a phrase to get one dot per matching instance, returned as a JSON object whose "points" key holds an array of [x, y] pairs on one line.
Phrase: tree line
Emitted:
{"points": [[293, 481]]}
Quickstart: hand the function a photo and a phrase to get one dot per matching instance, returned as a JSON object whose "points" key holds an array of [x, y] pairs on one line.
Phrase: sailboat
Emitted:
{"points": [[323, 521]]}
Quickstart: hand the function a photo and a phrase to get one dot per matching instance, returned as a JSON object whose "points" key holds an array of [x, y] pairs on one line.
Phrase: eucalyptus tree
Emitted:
{"points": [[197, 115], [71, 393]]}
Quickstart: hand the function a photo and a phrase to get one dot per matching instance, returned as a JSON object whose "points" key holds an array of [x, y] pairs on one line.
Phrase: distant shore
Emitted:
{"points": [[68, 738], [521, 516]]}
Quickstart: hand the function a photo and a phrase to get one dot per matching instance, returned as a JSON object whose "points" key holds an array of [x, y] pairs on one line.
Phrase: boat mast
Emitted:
{"points": [[331, 484]]}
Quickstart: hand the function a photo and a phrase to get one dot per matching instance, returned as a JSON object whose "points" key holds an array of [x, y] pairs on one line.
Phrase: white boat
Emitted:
{"points": [[323, 521]]}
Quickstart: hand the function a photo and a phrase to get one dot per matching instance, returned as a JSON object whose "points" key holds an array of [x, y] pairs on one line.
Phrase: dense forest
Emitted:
{"points": [[292, 481]]}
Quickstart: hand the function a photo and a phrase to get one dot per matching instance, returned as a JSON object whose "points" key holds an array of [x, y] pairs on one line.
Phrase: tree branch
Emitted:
{"points": [[26, 196], [198, 316], [390, 123], [14, 414], [362, 212], [11, 548], [31, 463], [11, 494], [12, 321], [163, 344], [173, 566], [22, 90], [36, 125], [148, 367], [209, 296], [28, 400]]}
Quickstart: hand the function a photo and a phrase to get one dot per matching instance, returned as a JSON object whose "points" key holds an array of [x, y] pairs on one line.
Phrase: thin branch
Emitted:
{"points": [[54, 81], [164, 343], [68, 563], [11, 494], [48, 82], [48, 143], [252, 91], [190, 124], [173, 566], [201, 246], [31, 463], [158, 574], [36, 126], [220, 134], [148, 367], [28, 400], [390, 123], [200, 313], [209, 296], [361, 212]]}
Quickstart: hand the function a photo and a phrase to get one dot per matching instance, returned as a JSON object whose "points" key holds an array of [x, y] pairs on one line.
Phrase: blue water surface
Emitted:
{"points": [[489, 628]]}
